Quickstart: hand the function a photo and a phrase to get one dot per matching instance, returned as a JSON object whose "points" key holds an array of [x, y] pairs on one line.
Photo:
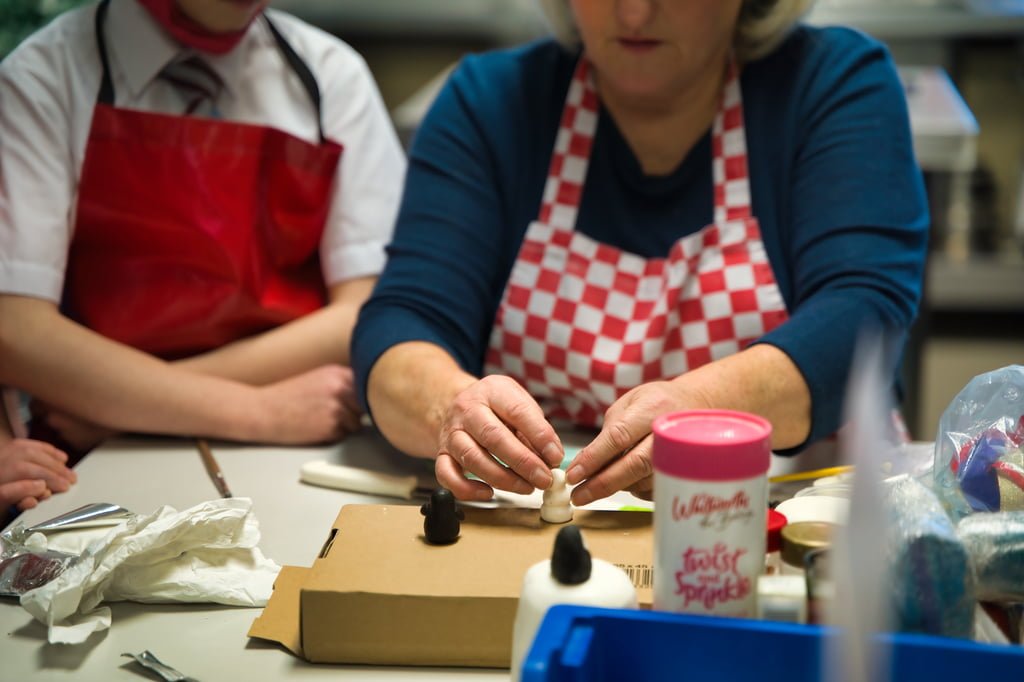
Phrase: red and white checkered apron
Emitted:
{"points": [[581, 323]]}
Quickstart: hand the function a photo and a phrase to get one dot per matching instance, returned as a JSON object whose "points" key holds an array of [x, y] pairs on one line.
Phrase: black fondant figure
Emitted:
{"points": [[570, 560], [442, 517]]}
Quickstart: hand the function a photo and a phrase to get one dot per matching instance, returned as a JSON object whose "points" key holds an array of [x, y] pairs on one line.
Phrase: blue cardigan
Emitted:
{"points": [[834, 181]]}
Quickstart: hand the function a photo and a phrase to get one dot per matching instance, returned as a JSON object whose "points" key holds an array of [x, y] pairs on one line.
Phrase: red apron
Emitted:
{"points": [[581, 322], [194, 232]]}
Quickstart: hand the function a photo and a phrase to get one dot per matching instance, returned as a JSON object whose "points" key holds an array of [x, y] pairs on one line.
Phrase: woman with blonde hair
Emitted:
{"points": [[731, 197]]}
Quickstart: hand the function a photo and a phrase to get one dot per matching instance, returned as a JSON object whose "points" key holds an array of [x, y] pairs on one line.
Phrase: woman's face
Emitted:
{"points": [[652, 48], [222, 16]]}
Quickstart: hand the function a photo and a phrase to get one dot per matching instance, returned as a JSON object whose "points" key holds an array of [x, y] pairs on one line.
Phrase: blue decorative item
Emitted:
{"points": [[976, 472]]}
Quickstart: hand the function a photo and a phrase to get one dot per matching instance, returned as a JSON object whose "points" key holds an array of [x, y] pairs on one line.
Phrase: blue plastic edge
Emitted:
{"points": [[563, 644]]}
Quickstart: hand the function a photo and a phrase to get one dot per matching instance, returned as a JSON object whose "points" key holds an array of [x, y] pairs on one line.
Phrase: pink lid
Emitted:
{"points": [[712, 445]]}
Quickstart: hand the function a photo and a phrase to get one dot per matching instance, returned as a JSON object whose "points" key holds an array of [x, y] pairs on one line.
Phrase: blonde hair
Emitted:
{"points": [[761, 26]]}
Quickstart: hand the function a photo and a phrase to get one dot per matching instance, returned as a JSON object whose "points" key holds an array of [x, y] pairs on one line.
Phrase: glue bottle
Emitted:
{"points": [[570, 576]]}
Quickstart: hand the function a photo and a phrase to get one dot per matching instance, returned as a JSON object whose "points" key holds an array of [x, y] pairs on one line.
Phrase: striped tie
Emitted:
{"points": [[197, 83]]}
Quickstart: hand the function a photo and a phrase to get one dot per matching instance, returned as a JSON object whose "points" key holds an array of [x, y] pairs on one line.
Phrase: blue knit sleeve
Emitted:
{"points": [[855, 219], [460, 222]]}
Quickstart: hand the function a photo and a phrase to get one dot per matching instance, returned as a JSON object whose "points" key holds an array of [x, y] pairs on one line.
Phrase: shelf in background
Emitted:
{"points": [[499, 21], [977, 283], [896, 19], [505, 21]]}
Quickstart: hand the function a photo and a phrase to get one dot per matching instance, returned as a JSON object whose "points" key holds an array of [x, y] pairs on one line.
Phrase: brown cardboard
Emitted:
{"points": [[380, 594], [279, 621]]}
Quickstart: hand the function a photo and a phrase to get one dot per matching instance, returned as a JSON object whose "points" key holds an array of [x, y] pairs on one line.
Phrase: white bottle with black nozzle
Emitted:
{"points": [[570, 576]]}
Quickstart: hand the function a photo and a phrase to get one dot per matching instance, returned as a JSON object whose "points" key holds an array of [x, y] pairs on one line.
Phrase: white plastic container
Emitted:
{"points": [[782, 598], [710, 503], [569, 577]]}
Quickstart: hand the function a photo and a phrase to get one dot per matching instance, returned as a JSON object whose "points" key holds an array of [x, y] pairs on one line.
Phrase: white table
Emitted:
{"points": [[208, 642]]}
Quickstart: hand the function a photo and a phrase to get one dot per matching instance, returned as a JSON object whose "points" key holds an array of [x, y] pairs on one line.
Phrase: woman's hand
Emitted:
{"points": [[619, 458], [496, 431], [761, 379], [30, 471]]}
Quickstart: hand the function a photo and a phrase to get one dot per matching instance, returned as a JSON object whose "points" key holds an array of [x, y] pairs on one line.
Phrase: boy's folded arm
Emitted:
{"points": [[81, 372]]}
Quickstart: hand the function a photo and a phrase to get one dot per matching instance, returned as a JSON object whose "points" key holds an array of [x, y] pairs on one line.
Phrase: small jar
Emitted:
{"points": [[782, 598], [710, 503], [800, 538]]}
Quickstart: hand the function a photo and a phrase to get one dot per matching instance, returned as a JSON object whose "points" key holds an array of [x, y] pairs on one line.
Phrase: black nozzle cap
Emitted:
{"points": [[570, 562], [442, 498]]}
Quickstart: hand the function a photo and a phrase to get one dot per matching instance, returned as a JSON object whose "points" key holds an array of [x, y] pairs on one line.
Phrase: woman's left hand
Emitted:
{"points": [[619, 458]]}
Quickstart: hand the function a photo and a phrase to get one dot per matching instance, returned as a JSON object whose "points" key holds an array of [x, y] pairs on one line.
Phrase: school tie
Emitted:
{"points": [[197, 84]]}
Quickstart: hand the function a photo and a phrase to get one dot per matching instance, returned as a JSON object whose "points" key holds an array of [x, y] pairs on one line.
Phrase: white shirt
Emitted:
{"points": [[48, 89]]}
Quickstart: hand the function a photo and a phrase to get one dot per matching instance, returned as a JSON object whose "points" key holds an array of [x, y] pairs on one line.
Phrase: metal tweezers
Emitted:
{"points": [[147, 660]]}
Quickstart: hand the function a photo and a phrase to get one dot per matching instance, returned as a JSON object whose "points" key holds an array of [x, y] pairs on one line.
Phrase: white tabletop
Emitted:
{"points": [[207, 642]]}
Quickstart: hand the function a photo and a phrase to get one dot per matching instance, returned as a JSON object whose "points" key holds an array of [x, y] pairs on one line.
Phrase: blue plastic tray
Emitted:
{"points": [[578, 643]]}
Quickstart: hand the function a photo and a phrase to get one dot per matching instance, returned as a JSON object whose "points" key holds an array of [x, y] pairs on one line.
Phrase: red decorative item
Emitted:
{"points": [[776, 521]]}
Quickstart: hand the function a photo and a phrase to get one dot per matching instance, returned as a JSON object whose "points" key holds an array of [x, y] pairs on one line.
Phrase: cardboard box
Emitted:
{"points": [[380, 594]]}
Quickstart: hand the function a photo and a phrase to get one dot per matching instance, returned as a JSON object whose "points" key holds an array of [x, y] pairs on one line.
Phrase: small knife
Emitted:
{"points": [[355, 480]]}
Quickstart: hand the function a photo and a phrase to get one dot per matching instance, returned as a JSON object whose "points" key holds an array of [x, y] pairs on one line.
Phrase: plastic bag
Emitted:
{"points": [[995, 543], [979, 449]]}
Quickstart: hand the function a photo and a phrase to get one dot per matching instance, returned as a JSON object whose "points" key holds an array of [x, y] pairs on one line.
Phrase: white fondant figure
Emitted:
{"points": [[556, 507]]}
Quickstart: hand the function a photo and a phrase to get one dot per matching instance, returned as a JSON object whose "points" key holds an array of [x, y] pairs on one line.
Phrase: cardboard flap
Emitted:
{"points": [[280, 620]]}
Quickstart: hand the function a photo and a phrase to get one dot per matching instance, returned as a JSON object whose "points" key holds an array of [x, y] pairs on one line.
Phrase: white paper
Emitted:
{"points": [[204, 554]]}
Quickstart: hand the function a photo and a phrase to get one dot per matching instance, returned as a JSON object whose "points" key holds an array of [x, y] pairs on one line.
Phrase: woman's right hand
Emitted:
{"points": [[318, 406], [495, 430]]}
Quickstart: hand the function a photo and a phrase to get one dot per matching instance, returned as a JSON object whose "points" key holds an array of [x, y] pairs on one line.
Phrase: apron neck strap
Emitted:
{"points": [[302, 71], [106, 91]]}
